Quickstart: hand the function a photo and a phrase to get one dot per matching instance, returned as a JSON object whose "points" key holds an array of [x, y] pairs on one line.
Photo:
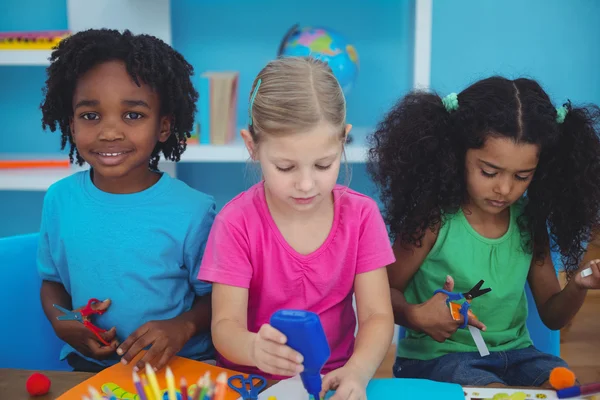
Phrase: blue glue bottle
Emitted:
{"points": [[305, 334]]}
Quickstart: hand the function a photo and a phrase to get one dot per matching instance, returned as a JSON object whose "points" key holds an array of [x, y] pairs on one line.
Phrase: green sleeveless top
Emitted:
{"points": [[467, 256]]}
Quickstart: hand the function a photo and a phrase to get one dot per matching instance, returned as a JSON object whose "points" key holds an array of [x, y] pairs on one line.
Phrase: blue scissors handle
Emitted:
{"points": [[464, 308], [247, 388], [451, 295]]}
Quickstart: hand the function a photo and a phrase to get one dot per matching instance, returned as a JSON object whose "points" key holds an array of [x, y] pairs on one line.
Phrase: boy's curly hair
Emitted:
{"points": [[147, 59], [417, 160]]}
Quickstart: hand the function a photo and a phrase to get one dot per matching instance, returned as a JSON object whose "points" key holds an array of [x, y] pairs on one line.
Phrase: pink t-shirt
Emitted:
{"points": [[246, 249]]}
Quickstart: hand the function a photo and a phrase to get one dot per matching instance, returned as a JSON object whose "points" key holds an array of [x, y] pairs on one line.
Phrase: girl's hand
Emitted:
{"points": [[166, 338], [588, 276], [270, 354], [348, 383], [434, 318]]}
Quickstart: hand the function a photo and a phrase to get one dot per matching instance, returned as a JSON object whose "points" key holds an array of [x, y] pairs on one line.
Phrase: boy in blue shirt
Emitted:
{"points": [[123, 231]]}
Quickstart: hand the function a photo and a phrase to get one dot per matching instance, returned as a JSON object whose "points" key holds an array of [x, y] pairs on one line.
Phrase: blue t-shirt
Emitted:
{"points": [[141, 250]]}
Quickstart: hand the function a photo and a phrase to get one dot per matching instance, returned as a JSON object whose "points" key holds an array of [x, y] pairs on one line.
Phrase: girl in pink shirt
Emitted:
{"points": [[298, 240]]}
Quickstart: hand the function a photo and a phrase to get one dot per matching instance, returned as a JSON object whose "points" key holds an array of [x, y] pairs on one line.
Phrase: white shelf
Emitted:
{"points": [[356, 152], [39, 179], [25, 57], [238, 153]]}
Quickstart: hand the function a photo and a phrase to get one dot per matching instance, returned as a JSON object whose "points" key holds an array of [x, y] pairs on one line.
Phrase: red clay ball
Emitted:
{"points": [[38, 384]]}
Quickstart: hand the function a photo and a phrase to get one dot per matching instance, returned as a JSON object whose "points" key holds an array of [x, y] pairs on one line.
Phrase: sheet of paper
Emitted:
{"points": [[508, 394], [289, 389], [479, 342]]}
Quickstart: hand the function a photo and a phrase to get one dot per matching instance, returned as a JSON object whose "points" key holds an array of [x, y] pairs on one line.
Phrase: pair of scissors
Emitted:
{"points": [[246, 386], [83, 316], [456, 310]]}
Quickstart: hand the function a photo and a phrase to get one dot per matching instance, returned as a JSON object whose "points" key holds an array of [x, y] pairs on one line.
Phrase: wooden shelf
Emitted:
{"points": [[25, 57]]}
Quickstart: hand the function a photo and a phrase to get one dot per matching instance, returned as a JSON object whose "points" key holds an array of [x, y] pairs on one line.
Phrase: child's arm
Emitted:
{"points": [[408, 261], [74, 332], [431, 317], [375, 322], [556, 307], [265, 349]]}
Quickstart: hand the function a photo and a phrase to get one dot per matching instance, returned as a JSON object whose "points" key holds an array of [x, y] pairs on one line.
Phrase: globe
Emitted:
{"points": [[326, 45]]}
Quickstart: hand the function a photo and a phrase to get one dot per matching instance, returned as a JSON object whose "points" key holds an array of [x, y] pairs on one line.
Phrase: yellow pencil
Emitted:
{"points": [[153, 382], [147, 389], [170, 384], [95, 394]]}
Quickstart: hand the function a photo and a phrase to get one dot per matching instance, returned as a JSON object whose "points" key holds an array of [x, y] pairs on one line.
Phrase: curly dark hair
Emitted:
{"points": [[146, 58], [417, 160]]}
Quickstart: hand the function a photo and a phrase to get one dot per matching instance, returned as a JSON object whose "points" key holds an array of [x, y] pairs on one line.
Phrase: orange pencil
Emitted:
{"points": [[17, 164], [221, 386]]}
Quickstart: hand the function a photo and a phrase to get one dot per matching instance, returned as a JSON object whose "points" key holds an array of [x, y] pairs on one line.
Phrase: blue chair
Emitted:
{"points": [[544, 339], [27, 340]]}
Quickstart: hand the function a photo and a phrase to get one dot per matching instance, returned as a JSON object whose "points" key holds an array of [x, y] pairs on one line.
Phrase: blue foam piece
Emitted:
{"points": [[387, 388], [413, 389]]}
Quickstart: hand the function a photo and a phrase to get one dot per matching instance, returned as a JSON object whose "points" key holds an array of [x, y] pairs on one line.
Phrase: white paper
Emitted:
{"points": [[489, 393], [479, 342], [289, 389]]}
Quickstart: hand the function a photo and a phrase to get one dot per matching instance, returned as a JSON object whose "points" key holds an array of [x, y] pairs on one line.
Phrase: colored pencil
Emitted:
{"points": [[206, 385], [198, 389], [111, 395], [138, 386], [153, 382], [221, 386], [170, 384], [147, 389], [94, 393], [209, 393], [184, 389]]}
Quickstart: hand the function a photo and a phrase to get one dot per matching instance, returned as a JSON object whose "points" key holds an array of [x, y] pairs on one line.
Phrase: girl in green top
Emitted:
{"points": [[483, 185]]}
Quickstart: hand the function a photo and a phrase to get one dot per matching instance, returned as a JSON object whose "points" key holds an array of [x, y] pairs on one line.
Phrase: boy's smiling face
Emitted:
{"points": [[116, 126]]}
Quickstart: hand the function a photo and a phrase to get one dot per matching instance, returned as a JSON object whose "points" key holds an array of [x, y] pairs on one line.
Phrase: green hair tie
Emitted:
{"points": [[561, 113], [254, 92], [451, 102]]}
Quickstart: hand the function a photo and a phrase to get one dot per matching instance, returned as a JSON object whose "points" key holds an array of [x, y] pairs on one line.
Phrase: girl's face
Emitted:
{"points": [[300, 170], [116, 124], [499, 173]]}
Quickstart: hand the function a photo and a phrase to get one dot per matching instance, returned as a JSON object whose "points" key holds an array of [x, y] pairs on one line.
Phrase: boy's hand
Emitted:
{"points": [[166, 339], [85, 341], [270, 354], [434, 318]]}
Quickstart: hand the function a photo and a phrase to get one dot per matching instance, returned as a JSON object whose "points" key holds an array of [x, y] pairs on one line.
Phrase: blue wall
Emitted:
{"points": [[555, 42], [244, 35], [552, 40]]}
